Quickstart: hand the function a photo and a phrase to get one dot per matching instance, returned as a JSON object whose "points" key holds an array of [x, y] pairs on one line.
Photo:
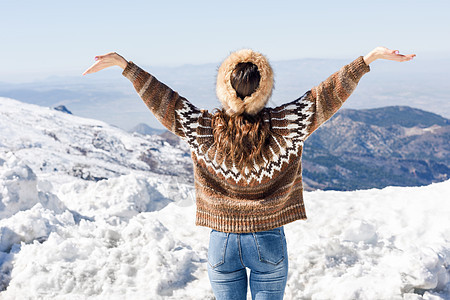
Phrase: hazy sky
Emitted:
{"points": [[40, 38]]}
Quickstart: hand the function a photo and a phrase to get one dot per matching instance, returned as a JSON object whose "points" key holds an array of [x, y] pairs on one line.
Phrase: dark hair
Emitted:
{"points": [[241, 139], [245, 79]]}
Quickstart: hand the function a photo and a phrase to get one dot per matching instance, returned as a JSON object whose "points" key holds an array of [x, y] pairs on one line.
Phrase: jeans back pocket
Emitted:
{"points": [[271, 246], [217, 247]]}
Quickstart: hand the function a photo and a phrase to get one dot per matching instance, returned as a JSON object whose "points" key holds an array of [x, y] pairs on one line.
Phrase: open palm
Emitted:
{"points": [[105, 61]]}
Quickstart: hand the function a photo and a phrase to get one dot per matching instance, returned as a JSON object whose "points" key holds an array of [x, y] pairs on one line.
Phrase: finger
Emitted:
{"points": [[402, 58], [396, 56], [99, 65], [92, 69], [404, 55], [88, 71], [109, 54], [100, 57], [408, 57]]}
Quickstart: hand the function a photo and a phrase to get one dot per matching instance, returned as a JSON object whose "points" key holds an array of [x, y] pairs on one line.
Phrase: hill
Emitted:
{"points": [[374, 148]]}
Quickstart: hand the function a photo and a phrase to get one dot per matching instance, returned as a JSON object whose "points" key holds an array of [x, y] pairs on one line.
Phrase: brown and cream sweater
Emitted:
{"points": [[271, 195]]}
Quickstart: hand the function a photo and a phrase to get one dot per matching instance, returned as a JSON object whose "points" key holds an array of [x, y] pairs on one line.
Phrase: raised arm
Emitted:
{"points": [[307, 113], [329, 95], [333, 92], [173, 111]]}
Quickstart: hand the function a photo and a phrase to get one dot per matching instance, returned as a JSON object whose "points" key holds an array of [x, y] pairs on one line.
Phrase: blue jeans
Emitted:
{"points": [[264, 253]]}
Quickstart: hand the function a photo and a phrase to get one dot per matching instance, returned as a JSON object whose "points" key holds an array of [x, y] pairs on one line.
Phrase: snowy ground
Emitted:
{"points": [[133, 236]]}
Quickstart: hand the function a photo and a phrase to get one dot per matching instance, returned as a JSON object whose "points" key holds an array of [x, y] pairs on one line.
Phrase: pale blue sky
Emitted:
{"points": [[40, 38]]}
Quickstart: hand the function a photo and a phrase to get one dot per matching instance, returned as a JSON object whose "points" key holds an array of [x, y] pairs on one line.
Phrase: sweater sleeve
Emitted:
{"points": [[329, 96], [176, 113], [303, 116]]}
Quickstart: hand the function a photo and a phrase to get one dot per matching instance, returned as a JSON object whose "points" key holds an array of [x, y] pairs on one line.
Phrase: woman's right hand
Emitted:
{"points": [[105, 61]]}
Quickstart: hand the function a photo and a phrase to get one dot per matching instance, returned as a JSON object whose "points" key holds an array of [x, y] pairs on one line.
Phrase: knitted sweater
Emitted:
{"points": [[271, 195]]}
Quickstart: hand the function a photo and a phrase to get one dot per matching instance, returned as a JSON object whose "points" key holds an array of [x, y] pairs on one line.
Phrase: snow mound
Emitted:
{"points": [[19, 189], [29, 225], [125, 196], [360, 231], [392, 243], [95, 259]]}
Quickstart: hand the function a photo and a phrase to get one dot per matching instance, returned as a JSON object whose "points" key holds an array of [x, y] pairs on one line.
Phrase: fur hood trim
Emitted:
{"points": [[227, 95]]}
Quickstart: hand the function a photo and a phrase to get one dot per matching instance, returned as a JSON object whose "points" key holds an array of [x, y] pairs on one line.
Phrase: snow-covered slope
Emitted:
{"points": [[132, 236], [81, 147]]}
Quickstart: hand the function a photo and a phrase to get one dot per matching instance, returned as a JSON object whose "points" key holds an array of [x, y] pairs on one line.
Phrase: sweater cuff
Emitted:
{"points": [[131, 71], [359, 67]]}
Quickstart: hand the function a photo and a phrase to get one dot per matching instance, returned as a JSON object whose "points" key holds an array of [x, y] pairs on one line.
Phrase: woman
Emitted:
{"points": [[247, 160]]}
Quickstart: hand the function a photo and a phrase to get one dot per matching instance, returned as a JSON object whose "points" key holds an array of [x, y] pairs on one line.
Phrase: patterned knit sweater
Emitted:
{"points": [[271, 195]]}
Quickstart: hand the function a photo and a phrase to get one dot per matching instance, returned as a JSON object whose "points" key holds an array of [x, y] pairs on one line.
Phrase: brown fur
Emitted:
{"points": [[227, 95]]}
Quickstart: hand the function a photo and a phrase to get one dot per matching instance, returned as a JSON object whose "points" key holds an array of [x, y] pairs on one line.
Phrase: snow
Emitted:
{"points": [[132, 235], [373, 244]]}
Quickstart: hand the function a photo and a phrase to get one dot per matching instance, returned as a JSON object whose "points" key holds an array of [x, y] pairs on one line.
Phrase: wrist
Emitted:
{"points": [[370, 57], [121, 62]]}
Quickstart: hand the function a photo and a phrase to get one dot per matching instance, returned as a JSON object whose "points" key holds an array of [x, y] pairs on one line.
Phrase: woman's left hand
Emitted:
{"points": [[385, 53], [105, 61]]}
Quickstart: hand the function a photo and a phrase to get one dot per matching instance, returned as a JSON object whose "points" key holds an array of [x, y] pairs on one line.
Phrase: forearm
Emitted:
{"points": [[329, 96], [159, 98], [165, 104], [335, 90]]}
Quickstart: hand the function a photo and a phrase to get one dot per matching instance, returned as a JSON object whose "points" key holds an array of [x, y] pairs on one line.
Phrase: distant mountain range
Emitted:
{"points": [[110, 97], [356, 149], [143, 128], [375, 148]]}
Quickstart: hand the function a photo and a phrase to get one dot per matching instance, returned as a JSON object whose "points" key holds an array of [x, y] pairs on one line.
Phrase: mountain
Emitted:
{"points": [[65, 145], [356, 149], [143, 128], [395, 115], [374, 148], [359, 149]]}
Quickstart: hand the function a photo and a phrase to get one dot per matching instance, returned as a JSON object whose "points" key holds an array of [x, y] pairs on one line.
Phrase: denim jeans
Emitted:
{"points": [[264, 253]]}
